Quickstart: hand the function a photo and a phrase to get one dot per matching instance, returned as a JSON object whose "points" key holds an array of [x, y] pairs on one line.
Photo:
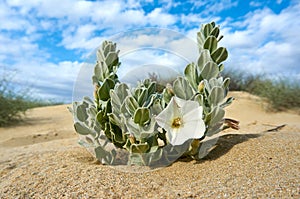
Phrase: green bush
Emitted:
{"points": [[281, 93], [14, 103]]}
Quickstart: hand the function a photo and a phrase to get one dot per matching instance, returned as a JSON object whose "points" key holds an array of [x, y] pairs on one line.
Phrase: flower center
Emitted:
{"points": [[176, 122]]}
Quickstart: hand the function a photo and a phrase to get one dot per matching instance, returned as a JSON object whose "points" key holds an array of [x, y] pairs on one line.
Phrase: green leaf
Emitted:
{"points": [[200, 40], [226, 82], [109, 47], [210, 70], [104, 156], [131, 104], [216, 95], [82, 129], [100, 72], [81, 113], [221, 67], [215, 32], [102, 118], [212, 130], [182, 88], [191, 75], [228, 102], [117, 134], [152, 88], [111, 60], [199, 98], [139, 148], [219, 55], [104, 90], [142, 98], [203, 59], [207, 29], [216, 115], [118, 95], [141, 116], [211, 43]]}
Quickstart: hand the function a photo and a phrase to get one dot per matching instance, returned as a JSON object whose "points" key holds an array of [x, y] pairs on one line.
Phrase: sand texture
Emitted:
{"points": [[40, 158]]}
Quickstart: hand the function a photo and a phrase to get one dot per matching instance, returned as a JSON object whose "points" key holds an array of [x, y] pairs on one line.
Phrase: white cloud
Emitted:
{"points": [[47, 80], [158, 17], [265, 42], [213, 7], [255, 4]]}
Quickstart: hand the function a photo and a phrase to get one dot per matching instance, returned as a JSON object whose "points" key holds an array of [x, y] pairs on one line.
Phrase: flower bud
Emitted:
{"points": [[131, 139], [170, 89], [201, 87], [96, 92]]}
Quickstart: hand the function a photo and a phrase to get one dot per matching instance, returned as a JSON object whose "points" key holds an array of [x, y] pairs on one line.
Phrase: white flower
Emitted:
{"points": [[182, 120]]}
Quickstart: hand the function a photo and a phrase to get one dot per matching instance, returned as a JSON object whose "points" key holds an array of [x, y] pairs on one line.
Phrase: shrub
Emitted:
{"points": [[281, 93], [14, 103]]}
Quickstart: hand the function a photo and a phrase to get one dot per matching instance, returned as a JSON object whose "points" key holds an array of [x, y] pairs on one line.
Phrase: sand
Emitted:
{"points": [[40, 158]]}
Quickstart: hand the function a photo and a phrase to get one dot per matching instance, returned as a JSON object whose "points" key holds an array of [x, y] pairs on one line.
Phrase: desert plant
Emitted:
{"points": [[152, 127]]}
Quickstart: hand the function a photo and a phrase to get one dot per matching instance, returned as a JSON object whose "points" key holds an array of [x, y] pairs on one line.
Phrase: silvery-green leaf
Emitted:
{"points": [[216, 95], [82, 129], [217, 115], [212, 130], [118, 95], [191, 75], [100, 72], [200, 40], [131, 104], [111, 60], [210, 70], [81, 113], [133, 128], [203, 59], [182, 88], [104, 156]]}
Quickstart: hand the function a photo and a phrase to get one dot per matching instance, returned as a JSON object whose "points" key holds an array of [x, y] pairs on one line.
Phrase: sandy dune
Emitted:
{"points": [[40, 158]]}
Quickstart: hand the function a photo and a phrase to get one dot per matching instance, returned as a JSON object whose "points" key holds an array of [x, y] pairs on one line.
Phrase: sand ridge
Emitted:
{"points": [[40, 158]]}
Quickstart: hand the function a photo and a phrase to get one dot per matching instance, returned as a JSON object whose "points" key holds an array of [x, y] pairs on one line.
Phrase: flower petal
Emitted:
{"points": [[189, 106], [190, 130], [195, 114], [165, 118]]}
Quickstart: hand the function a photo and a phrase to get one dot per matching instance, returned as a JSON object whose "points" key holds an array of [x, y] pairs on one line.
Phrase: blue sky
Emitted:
{"points": [[46, 42]]}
